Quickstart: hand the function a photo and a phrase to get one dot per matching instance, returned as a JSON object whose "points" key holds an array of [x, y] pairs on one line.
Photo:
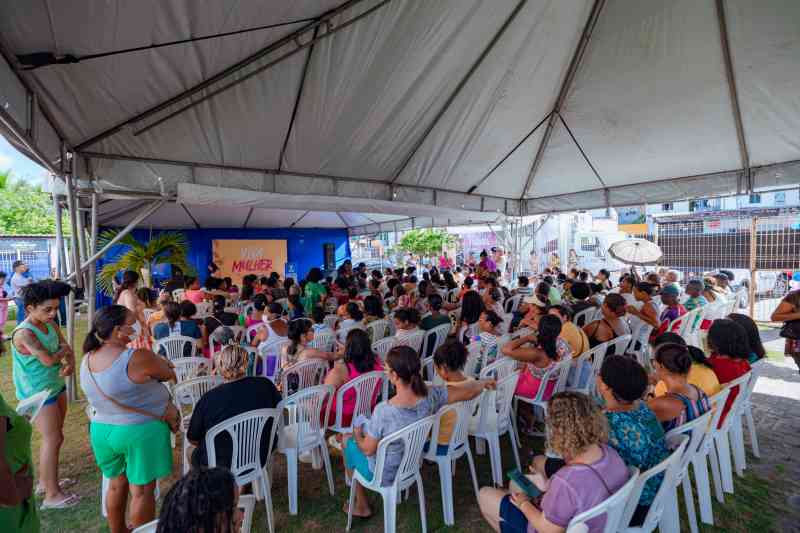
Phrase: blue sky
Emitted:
{"points": [[21, 167]]}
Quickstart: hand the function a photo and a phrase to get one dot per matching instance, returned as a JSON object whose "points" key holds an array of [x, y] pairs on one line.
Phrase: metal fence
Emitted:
{"points": [[38, 261], [761, 248]]}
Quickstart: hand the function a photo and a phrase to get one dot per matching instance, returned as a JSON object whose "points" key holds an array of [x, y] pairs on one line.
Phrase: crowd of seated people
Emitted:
{"points": [[639, 404]]}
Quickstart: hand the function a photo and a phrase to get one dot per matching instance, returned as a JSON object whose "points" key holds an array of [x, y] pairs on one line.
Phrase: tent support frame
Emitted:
{"points": [[563, 92], [734, 95]]}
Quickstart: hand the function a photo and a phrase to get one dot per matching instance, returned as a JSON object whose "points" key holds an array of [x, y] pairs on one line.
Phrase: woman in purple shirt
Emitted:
{"points": [[578, 432]]}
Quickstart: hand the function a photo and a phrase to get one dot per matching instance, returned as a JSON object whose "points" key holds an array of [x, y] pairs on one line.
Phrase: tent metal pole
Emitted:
{"points": [[66, 166], [324, 17], [194, 103], [461, 84], [92, 296], [73, 221], [563, 92], [122, 233], [22, 136], [734, 94], [60, 256], [189, 214]]}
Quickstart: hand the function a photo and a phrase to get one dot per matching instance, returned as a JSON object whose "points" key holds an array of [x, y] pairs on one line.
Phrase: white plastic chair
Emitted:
{"points": [[745, 415], [174, 347], [191, 367], [452, 295], [378, 329], [701, 435], [512, 303], [304, 432], [414, 340], [323, 341], [561, 370], [457, 447], [412, 438], [188, 393], [309, 372], [612, 507], [271, 349], [724, 435], [501, 368], [436, 336], [245, 431], [663, 513], [584, 317], [494, 420], [203, 309], [331, 321], [178, 295], [365, 389], [639, 344], [383, 346], [331, 304], [475, 360]]}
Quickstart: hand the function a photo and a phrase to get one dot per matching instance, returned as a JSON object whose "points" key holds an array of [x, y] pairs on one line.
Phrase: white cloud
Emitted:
{"points": [[5, 162]]}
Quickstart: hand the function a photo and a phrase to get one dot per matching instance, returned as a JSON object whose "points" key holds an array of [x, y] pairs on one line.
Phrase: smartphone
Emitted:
{"points": [[524, 483]]}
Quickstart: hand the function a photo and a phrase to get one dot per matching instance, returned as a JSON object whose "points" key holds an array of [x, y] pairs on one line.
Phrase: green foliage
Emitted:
{"points": [[425, 242], [25, 209], [165, 248]]}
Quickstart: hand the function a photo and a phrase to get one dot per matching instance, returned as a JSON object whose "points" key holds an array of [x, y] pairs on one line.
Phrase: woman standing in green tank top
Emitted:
{"points": [[41, 360], [17, 504]]}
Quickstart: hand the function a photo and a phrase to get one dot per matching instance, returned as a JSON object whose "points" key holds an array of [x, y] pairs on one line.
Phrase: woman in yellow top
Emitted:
{"points": [[701, 374], [449, 361]]}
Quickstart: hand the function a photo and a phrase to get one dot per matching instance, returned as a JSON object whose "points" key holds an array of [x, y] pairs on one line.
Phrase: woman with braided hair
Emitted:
{"points": [[240, 393], [203, 501]]}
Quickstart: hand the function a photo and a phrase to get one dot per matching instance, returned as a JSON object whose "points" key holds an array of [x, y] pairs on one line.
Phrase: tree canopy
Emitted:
{"points": [[425, 242], [25, 209]]}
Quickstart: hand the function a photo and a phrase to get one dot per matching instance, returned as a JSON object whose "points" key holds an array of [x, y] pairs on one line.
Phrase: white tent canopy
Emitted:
{"points": [[367, 113]]}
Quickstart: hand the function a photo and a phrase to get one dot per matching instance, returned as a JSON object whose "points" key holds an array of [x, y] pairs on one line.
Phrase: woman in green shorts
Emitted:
{"points": [[17, 504], [130, 429], [41, 360]]}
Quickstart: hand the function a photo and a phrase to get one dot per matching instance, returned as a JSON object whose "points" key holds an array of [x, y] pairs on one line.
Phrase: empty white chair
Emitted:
{"points": [[612, 507], [457, 447], [580, 380], [188, 393], [176, 346], [639, 345], [270, 353], [245, 431], [411, 438], [561, 371], [191, 367], [304, 374], [378, 329], [365, 389], [304, 432], [663, 513], [493, 420], [433, 338], [383, 346], [331, 321]]}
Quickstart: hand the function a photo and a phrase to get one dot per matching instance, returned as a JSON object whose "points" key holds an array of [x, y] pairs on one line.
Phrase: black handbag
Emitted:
{"points": [[791, 330]]}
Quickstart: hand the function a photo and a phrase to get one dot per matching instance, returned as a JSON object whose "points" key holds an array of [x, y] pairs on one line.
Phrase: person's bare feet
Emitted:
{"points": [[358, 512]]}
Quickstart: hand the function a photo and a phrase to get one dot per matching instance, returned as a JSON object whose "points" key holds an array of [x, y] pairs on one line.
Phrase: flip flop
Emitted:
{"points": [[64, 483], [71, 500]]}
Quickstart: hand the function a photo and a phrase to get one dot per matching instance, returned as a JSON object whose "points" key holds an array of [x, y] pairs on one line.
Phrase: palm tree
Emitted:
{"points": [[165, 248]]}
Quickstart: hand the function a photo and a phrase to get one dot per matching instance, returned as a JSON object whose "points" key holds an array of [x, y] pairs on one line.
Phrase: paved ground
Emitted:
{"points": [[776, 409]]}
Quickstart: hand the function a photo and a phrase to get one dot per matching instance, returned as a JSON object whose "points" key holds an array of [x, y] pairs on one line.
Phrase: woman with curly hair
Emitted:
{"points": [[593, 471], [203, 501]]}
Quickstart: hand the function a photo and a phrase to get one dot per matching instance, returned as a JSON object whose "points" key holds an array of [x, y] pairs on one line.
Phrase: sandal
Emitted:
{"points": [[63, 484], [71, 500]]}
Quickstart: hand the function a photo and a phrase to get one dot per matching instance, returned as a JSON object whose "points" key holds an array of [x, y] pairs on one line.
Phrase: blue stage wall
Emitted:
{"points": [[303, 246]]}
